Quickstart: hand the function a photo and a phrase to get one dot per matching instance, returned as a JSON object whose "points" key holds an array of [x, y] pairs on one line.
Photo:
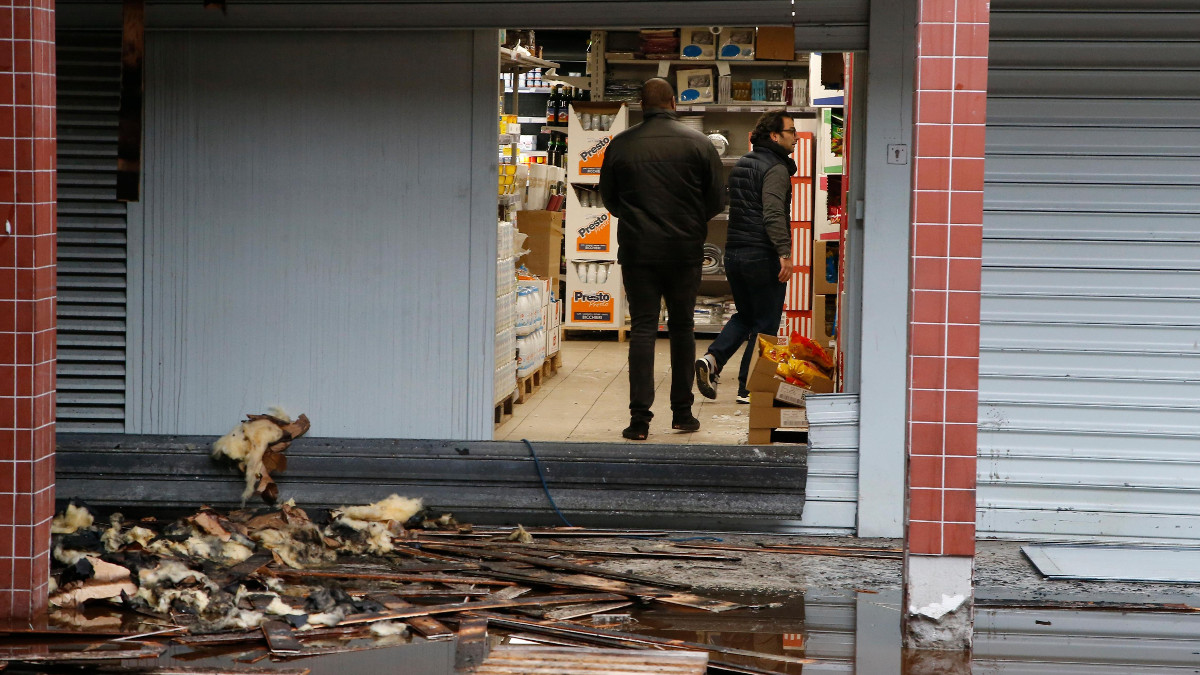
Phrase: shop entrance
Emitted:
{"points": [[561, 318]]}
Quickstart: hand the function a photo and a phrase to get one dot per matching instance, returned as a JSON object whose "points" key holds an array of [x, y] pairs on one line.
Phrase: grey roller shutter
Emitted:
{"points": [[91, 236], [821, 25], [1090, 319]]}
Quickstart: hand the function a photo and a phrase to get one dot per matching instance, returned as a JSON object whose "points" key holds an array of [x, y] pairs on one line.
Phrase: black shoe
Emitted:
{"points": [[685, 423], [706, 376], [637, 431], [743, 398]]}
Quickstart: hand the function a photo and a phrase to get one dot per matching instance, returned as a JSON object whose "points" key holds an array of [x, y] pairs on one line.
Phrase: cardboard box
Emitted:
{"points": [[595, 305], [697, 42], [762, 378], [698, 85], [822, 329], [778, 418], [553, 340], [736, 44], [821, 251], [775, 43], [585, 149], [544, 235], [591, 231]]}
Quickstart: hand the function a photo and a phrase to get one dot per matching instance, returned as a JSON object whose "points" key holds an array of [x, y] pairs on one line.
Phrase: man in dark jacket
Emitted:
{"points": [[662, 181], [758, 250]]}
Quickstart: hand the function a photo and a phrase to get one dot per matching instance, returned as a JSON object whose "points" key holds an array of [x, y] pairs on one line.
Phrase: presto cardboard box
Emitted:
{"points": [[590, 129], [591, 230], [595, 297]]}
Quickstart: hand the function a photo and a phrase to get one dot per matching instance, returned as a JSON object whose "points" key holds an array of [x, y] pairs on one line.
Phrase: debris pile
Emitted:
{"points": [[281, 579], [257, 446]]}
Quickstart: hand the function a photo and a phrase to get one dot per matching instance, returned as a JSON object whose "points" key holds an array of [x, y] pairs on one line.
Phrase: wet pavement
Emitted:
{"points": [[816, 632]]}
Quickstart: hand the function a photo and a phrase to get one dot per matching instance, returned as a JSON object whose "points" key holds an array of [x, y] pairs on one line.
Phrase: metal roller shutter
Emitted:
{"points": [[1090, 320], [822, 25], [91, 236]]}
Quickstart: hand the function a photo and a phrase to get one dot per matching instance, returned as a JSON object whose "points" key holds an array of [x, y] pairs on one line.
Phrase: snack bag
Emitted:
{"points": [[804, 371], [771, 350], [801, 347]]}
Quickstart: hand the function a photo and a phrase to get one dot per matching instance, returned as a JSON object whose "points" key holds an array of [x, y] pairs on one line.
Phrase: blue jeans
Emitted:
{"points": [[753, 275]]}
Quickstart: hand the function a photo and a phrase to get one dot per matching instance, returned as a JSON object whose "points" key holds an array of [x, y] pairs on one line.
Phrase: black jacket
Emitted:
{"points": [[751, 223], [662, 181]]}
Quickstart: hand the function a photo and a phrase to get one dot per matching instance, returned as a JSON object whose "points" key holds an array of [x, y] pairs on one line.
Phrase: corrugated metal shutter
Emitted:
{"points": [[91, 236], [1090, 337], [822, 25]]}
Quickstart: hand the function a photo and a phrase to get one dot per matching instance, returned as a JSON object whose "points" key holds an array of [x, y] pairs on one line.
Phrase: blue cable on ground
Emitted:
{"points": [[545, 488]]}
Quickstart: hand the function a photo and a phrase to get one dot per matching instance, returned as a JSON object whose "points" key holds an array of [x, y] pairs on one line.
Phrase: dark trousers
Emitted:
{"points": [[754, 279], [646, 286]]}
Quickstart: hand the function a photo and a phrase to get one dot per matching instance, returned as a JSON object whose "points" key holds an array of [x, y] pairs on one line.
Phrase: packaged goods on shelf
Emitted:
{"points": [[696, 85], [506, 345], [504, 239], [594, 304], [504, 380], [529, 310], [506, 276], [591, 231], [698, 42], [736, 44], [531, 352], [585, 147], [506, 311], [660, 43]]}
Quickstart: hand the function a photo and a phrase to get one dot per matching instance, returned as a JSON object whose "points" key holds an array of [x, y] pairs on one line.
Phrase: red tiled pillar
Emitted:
{"points": [[950, 106], [27, 303]]}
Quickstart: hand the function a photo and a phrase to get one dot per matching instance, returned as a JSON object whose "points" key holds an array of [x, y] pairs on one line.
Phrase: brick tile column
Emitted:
{"points": [[950, 105], [27, 303]]}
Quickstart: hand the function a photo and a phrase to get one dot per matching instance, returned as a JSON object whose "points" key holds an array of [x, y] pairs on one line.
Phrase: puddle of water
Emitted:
{"points": [[840, 632]]}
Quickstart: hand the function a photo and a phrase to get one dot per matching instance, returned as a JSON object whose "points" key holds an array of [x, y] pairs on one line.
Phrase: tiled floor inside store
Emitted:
{"points": [[588, 400]]}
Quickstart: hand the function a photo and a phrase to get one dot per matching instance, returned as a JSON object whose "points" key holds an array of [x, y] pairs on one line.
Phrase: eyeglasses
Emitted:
{"points": [[787, 131]]}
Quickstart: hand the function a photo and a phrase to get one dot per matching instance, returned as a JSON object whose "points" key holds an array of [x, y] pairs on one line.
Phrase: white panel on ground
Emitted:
{"points": [[1116, 563]]}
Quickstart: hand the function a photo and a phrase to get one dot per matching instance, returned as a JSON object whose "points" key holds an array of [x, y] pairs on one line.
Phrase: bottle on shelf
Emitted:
{"points": [[552, 109], [564, 107]]}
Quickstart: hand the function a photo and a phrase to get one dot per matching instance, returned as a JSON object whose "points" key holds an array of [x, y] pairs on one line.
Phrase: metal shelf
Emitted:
{"points": [[739, 107], [512, 62], [705, 62]]}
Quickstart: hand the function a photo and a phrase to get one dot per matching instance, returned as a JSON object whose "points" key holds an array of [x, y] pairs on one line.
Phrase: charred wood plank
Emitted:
{"points": [[429, 627], [472, 646], [477, 605], [280, 638]]}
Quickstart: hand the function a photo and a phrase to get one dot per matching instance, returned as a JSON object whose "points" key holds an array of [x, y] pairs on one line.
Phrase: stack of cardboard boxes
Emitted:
{"points": [[777, 408], [543, 232]]}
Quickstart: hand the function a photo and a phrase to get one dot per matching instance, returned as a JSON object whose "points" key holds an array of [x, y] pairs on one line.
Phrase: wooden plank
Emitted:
{"points": [[429, 627], [623, 639], [387, 576], [478, 605], [522, 659], [472, 646], [280, 637], [554, 564]]}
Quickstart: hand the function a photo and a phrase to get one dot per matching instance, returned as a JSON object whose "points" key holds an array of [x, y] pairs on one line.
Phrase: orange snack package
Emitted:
{"points": [[772, 351], [801, 347]]}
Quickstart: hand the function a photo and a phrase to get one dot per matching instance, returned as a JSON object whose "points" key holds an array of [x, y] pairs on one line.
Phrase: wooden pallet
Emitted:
{"points": [[551, 365], [528, 386], [504, 410]]}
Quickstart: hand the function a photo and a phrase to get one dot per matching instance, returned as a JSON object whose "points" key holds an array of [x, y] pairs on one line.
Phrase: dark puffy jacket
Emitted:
{"points": [[663, 183], [746, 224]]}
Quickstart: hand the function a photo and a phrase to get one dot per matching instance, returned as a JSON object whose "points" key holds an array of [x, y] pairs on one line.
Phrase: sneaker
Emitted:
{"points": [[743, 398], [706, 376], [638, 430], [685, 423]]}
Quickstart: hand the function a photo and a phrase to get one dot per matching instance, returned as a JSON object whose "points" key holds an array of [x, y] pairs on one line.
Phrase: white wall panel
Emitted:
{"points": [[310, 216]]}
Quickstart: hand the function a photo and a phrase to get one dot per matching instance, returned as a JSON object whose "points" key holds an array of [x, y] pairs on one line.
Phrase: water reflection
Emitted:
{"points": [[820, 632]]}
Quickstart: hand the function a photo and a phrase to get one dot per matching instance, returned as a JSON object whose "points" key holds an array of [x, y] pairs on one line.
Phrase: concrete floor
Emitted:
{"points": [[588, 400]]}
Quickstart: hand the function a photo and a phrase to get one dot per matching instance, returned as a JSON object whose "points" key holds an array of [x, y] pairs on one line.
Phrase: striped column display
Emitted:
{"points": [[797, 304], [27, 304]]}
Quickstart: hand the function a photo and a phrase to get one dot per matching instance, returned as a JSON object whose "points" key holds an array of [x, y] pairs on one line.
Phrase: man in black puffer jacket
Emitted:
{"points": [[758, 250], [662, 181]]}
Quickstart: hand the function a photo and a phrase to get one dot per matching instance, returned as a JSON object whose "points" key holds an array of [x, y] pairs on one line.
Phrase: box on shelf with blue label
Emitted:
{"points": [[590, 129], [591, 231], [595, 297]]}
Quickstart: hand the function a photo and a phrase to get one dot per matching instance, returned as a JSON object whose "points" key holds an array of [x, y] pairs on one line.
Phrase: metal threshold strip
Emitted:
{"points": [[1116, 562]]}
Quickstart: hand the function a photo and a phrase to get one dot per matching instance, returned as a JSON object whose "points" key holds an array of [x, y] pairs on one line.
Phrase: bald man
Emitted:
{"points": [[662, 181]]}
